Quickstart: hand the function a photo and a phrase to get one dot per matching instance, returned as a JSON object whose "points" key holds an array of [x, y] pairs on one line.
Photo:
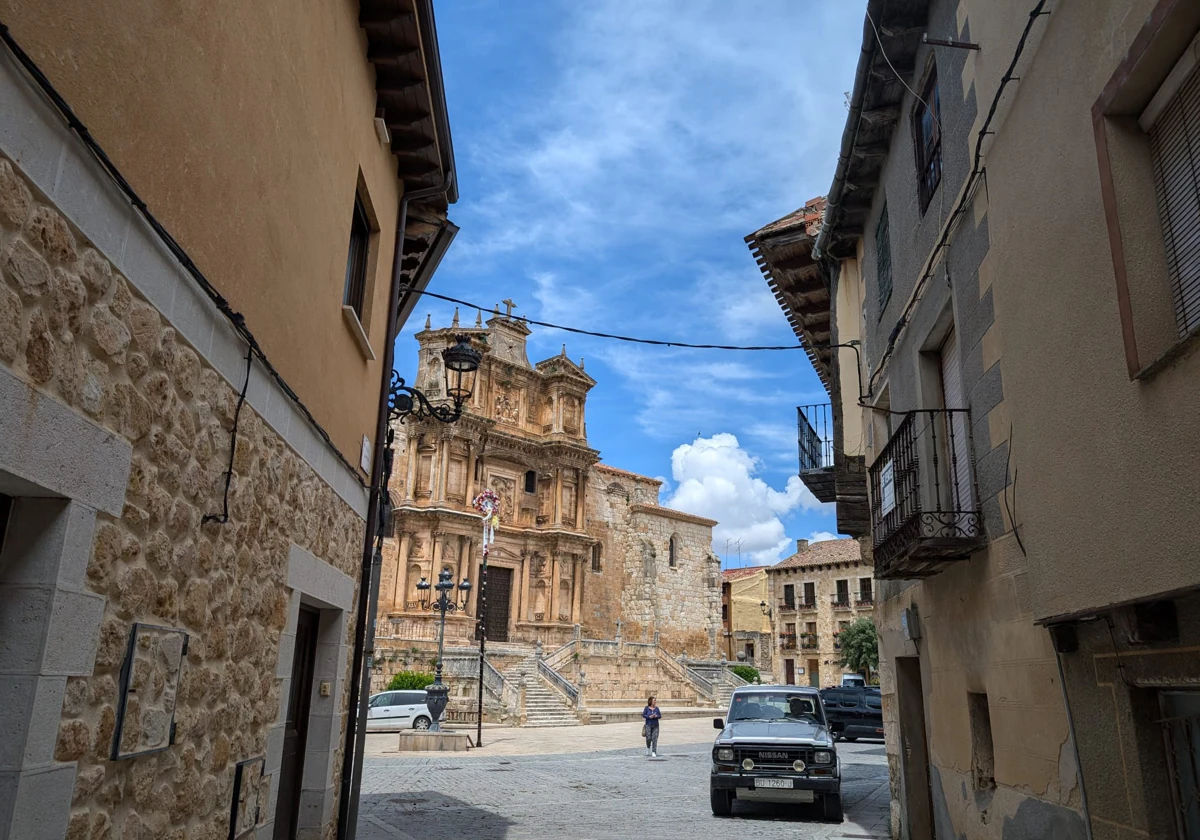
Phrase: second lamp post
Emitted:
{"points": [[438, 694]]}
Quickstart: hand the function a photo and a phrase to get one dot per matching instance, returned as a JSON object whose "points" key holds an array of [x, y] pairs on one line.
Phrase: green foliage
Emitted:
{"points": [[747, 672], [860, 646], [410, 681]]}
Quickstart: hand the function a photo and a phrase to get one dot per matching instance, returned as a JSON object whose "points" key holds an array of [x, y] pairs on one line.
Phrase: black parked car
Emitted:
{"points": [[858, 710], [776, 746]]}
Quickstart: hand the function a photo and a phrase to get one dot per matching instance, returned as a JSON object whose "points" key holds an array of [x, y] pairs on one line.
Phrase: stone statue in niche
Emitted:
{"points": [[568, 504], [508, 405], [571, 414], [537, 564], [417, 547], [504, 488]]}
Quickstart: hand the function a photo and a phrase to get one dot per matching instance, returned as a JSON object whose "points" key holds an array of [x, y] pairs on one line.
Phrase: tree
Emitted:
{"points": [[860, 646], [410, 681]]}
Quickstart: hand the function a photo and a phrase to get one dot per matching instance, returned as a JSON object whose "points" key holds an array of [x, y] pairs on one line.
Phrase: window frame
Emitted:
{"points": [[672, 558], [927, 149], [597, 559], [358, 257], [531, 474], [883, 259]]}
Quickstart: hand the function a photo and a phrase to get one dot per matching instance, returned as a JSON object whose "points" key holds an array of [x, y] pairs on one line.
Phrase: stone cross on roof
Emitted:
{"points": [[508, 305]]}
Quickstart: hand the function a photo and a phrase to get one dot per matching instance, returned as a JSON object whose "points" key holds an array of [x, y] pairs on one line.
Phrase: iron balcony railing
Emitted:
{"points": [[815, 433], [841, 602], [864, 599], [787, 641], [808, 641], [787, 605], [923, 497], [807, 604]]}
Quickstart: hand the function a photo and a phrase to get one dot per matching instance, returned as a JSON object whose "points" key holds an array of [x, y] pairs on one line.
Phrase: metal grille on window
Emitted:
{"points": [[927, 136], [1175, 149], [356, 259], [883, 258]]}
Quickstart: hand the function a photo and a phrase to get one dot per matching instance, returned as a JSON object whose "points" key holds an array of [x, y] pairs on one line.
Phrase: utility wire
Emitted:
{"points": [[630, 339], [968, 193]]}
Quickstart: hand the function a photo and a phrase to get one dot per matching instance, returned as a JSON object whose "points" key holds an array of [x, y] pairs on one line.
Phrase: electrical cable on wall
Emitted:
{"points": [[223, 516]]}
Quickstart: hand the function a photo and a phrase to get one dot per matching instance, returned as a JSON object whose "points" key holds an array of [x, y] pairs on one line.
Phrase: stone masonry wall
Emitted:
{"points": [[638, 586], [73, 327]]}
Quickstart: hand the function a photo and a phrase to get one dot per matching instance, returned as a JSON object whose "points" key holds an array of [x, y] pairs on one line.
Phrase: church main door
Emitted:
{"points": [[499, 593]]}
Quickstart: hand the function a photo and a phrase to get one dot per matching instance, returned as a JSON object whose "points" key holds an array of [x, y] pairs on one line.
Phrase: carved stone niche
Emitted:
{"points": [[537, 564]]}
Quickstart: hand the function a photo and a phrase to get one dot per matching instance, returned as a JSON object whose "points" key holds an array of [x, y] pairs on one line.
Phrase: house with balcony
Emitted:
{"points": [[903, 249], [812, 596]]}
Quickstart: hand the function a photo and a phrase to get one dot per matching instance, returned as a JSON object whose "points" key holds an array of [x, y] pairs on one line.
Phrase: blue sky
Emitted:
{"points": [[612, 155]]}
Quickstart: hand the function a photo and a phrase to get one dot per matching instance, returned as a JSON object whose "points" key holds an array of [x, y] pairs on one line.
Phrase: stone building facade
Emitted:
{"points": [[813, 596], [182, 521], [580, 546]]}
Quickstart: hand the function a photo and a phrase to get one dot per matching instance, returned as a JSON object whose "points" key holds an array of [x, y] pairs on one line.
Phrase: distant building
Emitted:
{"points": [[582, 547], [747, 634], [814, 595]]}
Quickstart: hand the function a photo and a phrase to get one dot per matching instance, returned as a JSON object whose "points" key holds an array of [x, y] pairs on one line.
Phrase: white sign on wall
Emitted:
{"points": [[887, 488], [364, 460]]}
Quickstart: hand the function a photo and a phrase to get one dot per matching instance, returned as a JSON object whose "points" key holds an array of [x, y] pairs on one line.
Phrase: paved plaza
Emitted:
{"points": [[593, 783]]}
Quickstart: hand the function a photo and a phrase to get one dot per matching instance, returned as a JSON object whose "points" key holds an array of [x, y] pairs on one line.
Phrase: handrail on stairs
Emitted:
{"points": [[558, 681]]}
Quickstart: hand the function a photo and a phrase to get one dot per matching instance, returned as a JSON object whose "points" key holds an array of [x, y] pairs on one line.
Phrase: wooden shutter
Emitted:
{"points": [[1175, 149], [958, 466]]}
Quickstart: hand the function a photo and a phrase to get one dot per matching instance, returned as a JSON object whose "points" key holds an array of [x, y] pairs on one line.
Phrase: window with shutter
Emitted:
{"points": [[883, 259], [1175, 150]]}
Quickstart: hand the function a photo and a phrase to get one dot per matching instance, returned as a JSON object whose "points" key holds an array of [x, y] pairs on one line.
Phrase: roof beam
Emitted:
{"points": [[391, 53], [881, 116], [379, 13]]}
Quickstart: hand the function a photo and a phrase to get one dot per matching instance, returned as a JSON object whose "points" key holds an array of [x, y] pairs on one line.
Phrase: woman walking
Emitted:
{"points": [[652, 714]]}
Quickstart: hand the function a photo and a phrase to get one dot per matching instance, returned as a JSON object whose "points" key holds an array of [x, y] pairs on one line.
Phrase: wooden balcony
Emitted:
{"points": [[924, 512]]}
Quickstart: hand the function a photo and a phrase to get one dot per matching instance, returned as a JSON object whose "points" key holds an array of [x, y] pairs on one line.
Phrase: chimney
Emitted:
{"points": [[801, 546]]}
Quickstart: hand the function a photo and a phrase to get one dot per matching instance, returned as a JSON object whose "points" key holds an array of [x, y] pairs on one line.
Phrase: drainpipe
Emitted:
{"points": [[372, 559]]}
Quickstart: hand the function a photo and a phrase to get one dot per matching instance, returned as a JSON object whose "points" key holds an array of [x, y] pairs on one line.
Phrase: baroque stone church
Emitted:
{"points": [[580, 544]]}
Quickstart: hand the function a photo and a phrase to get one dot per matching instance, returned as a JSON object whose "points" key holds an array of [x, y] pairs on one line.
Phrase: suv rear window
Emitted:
{"points": [[874, 701]]}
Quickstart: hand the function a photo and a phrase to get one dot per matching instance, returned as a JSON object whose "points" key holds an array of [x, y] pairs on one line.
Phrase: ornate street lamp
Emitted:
{"points": [[461, 362], [767, 611], [438, 694]]}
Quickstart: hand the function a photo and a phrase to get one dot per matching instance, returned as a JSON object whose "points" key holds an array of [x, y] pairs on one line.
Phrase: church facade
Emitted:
{"points": [[581, 548]]}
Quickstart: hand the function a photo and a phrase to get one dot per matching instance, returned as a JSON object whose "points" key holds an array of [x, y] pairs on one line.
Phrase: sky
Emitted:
{"points": [[611, 157]]}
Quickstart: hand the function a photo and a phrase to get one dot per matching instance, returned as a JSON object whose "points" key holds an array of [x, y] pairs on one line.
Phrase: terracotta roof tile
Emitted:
{"points": [[823, 553], [738, 574]]}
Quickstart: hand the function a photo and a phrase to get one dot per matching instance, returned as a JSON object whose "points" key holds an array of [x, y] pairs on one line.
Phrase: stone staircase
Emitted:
{"points": [[543, 705]]}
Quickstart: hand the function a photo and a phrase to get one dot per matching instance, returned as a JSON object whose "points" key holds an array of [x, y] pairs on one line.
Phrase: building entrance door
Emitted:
{"points": [[789, 671], [814, 673], [499, 597], [295, 730], [914, 747]]}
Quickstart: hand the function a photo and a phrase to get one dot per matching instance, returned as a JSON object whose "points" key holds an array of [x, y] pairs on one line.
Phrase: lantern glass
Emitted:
{"points": [[461, 362]]}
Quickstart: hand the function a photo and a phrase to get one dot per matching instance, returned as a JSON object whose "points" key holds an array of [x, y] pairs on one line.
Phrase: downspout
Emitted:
{"points": [[372, 558]]}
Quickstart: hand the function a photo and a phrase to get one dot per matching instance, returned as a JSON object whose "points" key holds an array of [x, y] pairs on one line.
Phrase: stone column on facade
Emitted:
{"points": [[577, 591], [464, 559], [523, 600], [580, 507], [473, 575], [470, 476], [436, 563], [558, 486], [401, 593], [443, 469], [410, 487], [554, 585]]}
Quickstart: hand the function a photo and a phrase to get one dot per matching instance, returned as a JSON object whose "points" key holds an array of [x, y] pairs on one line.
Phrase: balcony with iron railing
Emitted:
{"points": [[814, 425], [841, 602], [865, 600], [786, 605], [923, 499], [787, 641], [808, 641]]}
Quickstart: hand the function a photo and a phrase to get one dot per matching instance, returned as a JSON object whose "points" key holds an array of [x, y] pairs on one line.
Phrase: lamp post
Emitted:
{"points": [[438, 694]]}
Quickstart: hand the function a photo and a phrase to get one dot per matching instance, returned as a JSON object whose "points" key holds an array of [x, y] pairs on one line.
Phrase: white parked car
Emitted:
{"points": [[398, 710]]}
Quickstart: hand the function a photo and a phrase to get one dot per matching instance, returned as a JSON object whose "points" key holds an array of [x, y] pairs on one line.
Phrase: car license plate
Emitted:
{"points": [[772, 783]]}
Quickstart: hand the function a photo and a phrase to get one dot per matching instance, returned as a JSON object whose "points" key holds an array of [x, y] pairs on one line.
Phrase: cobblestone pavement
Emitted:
{"points": [[603, 794]]}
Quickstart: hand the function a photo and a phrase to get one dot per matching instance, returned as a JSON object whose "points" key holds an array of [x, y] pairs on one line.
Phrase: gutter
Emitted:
{"points": [[833, 199], [372, 558]]}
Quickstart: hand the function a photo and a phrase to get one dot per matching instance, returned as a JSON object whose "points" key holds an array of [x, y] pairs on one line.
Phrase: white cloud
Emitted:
{"points": [[822, 536], [715, 478]]}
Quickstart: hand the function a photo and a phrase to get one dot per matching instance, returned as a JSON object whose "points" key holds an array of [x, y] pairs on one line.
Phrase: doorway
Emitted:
{"points": [[295, 731], [499, 599], [814, 673], [914, 747], [789, 672]]}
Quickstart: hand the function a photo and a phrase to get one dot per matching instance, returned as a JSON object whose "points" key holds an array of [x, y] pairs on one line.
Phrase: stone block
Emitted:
{"points": [[414, 741], [43, 803], [92, 202], [74, 634], [23, 627]]}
